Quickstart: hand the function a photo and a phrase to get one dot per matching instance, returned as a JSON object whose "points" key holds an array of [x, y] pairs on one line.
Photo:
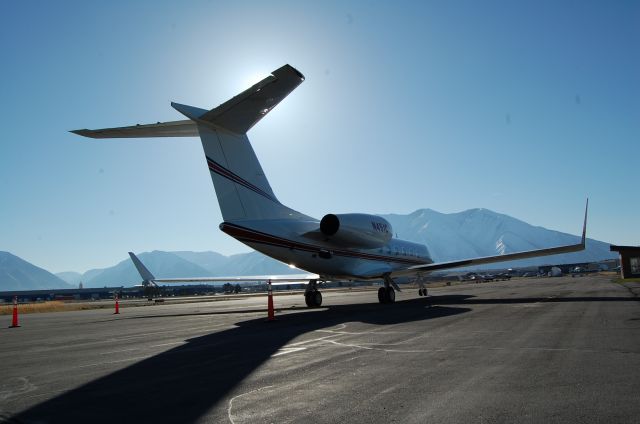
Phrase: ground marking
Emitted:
{"points": [[239, 396], [286, 350]]}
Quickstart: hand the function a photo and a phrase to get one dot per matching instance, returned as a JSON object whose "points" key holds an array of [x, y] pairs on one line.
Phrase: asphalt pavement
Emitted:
{"points": [[552, 350]]}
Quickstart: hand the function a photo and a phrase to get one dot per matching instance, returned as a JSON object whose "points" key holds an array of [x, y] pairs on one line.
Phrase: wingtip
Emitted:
{"points": [[83, 132], [584, 226]]}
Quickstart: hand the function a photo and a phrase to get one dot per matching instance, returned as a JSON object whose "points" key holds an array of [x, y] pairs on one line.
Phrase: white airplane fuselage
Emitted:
{"points": [[284, 240]]}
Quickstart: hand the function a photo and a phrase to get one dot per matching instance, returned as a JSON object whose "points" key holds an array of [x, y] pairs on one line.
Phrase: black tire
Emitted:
{"points": [[390, 295], [420, 292], [381, 295], [313, 299]]}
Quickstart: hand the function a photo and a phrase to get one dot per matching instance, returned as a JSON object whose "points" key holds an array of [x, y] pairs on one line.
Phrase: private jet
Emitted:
{"points": [[338, 247]]}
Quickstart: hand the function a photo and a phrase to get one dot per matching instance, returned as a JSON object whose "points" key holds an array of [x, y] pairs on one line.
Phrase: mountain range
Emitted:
{"points": [[467, 234], [18, 274], [482, 232]]}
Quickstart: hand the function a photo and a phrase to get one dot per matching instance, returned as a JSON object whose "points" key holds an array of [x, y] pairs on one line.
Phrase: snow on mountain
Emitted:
{"points": [[482, 232]]}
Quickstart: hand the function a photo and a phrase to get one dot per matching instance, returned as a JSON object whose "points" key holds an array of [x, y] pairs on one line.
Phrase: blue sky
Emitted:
{"points": [[521, 107]]}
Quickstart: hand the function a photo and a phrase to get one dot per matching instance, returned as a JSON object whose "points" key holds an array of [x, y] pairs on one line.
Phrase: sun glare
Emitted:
{"points": [[254, 78]]}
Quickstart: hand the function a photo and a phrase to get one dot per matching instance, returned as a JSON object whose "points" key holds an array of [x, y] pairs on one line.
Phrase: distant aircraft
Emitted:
{"points": [[338, 247]]}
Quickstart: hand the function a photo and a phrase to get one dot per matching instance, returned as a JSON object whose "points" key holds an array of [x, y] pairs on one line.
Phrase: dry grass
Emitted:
{"points": [[626, 280], [49, 306]]}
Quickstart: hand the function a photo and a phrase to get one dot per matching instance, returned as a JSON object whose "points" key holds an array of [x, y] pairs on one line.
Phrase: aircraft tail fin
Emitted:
{"points": [[241, 186]]}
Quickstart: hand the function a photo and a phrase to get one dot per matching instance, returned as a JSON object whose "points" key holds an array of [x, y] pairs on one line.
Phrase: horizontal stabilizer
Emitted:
{"points": [[185, 128], [243, 111], [237, 115]]}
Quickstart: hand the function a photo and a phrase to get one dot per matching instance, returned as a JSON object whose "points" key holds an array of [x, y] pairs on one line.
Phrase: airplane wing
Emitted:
{"points": [[275, 279], [498, 258], [148, 278]]}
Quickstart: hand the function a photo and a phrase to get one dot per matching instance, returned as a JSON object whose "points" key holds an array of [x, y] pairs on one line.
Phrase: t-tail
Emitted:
{"points": [[241, 186]]}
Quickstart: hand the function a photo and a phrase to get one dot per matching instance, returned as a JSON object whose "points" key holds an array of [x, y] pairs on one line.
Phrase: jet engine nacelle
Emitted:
{"points": [[356, 230]]}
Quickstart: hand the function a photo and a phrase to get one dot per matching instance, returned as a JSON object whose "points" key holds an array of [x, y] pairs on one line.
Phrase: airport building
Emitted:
{"points": [[629, 260]]}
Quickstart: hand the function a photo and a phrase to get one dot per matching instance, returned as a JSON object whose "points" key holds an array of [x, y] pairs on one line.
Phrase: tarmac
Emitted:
{"points": [[552, 350]]}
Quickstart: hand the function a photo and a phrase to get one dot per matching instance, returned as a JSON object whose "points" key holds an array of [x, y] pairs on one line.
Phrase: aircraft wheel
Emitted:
{"points": [[313, 299], [317, 299], [419, 292], [382, 295], [390, 295]]}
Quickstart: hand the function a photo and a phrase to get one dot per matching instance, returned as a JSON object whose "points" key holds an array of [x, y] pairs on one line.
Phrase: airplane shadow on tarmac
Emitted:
{"points": [[180, 385]]}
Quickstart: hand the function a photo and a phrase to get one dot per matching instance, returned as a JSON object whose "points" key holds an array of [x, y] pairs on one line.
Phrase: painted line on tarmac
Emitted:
{"points": [[239, 396], [181, 342], [119, 351], [357, 333], [286, 350], [312, 340]]}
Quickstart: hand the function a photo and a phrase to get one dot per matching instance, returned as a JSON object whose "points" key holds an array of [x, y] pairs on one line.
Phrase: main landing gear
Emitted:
{"points": [[387, 294], [312, 296], [422, 291]]}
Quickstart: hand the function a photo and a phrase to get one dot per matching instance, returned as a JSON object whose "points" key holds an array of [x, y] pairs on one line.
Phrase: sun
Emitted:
{"points": [[254, 78]]}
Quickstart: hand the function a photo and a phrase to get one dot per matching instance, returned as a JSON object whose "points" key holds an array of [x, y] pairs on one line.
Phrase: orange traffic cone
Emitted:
{"points": [[270, 311], [117, 305], [14, 321]]}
